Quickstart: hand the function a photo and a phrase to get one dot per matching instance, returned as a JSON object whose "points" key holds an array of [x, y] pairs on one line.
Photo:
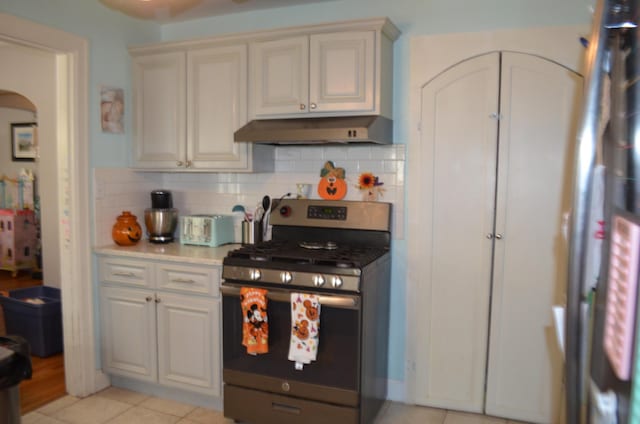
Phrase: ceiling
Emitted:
{"points": [[166, 11]]}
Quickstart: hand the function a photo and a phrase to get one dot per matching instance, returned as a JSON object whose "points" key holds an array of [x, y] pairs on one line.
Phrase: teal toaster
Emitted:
{"points": [[206, 230]]}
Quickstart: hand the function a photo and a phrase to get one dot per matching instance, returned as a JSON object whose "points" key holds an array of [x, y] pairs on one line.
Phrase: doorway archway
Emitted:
{"points": [[69, 225]]}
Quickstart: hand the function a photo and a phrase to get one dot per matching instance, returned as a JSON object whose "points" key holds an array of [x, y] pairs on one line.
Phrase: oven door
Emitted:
{"points": [[334, 376]]}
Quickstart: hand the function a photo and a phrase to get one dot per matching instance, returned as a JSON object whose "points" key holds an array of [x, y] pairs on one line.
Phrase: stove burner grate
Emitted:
{"points": [[280, 252]]}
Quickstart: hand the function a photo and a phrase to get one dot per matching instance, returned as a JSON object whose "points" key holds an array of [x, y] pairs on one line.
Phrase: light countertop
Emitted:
{"points": [[173, 251]]}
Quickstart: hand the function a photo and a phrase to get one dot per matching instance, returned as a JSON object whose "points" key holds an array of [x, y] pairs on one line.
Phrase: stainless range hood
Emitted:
{"points": [[336, 130]]}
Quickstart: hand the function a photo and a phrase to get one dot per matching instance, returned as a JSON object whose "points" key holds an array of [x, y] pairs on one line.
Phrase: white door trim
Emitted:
{"points": [[76, 275], [429, 56]]}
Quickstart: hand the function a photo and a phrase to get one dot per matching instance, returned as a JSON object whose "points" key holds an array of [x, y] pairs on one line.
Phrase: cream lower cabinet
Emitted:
{"points": [[187, 105], [167, 333]]}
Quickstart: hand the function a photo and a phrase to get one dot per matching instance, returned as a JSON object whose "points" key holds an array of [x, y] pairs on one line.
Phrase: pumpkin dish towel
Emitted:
{"points": [[255, 329], [305, 327]]}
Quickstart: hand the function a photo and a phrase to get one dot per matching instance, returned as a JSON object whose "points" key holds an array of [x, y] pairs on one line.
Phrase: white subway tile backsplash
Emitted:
{"points": [[374, 166], [124, 189], [360, 152], [288, 153], [309, 166], [309, 152]]}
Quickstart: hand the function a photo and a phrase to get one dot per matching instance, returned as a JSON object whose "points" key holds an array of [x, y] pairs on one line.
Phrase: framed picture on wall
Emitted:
{"points": [[23, 141]]}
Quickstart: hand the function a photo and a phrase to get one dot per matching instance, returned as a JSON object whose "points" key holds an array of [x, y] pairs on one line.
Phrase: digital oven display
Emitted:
{"points": [[336, 213]]}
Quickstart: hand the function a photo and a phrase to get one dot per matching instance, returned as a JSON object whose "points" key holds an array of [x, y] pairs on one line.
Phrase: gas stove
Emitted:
{"points": [[337, 251], [316, 244]]}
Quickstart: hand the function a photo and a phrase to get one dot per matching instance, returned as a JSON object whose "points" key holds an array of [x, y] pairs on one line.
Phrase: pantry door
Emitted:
{"points": [[539, 106], [497, 129], [459, 134]]}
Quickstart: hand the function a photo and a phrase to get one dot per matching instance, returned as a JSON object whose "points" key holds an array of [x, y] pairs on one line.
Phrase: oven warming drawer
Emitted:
{"points": [[291, 387], [255, 406]]}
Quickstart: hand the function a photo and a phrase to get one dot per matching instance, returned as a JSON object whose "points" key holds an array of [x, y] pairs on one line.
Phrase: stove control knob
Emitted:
{"points": [[318, 280], [285, 211], [254, 274], [285, 277], [336, 282]]}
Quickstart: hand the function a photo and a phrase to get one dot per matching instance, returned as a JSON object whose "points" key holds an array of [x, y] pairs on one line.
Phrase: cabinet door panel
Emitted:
{"points": [[160, 103], [187, 328], [128, 328], [539, 103], [217, 93], [341, 72], [460, 146], [280, 78]]}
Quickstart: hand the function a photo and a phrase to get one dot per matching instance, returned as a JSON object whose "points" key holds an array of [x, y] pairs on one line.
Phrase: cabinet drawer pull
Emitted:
{"points": [[124, 274], [280, 407], [183, 280]]}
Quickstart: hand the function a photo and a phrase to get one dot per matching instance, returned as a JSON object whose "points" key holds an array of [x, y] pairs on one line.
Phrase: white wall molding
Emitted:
{"points": [[72, 214]]}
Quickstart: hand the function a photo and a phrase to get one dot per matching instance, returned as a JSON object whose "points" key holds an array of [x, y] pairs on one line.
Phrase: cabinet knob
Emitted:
{"points": [[188, 164], [158, 300], [499, 236], [313, 106], [179, 163], [148, 298], [303, 106], [489, 236]]}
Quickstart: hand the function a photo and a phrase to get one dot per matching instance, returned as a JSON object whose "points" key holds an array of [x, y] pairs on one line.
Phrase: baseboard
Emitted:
{"points": [[178, 395], [396, 391]]}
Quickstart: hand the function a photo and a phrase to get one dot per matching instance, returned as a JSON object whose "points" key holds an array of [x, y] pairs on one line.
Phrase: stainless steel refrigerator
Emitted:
{"points": [[601, 340]]}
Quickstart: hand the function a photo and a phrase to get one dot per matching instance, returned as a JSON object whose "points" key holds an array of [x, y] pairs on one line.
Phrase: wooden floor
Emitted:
{"points": [[47, 383]]}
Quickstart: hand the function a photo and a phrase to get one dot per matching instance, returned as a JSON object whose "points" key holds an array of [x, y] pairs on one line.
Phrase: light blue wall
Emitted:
{"points": [[110, 34], [413, 17]]}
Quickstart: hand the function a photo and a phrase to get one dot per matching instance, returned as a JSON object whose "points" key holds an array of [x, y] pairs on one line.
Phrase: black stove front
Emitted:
{"points": [[338, 251]]}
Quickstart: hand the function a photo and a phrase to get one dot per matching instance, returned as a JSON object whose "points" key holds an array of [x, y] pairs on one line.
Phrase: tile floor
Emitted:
{"points": [[118, 406]]}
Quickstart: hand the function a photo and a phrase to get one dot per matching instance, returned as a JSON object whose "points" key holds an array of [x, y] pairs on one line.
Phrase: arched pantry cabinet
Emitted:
{"points": [[495, 140]]}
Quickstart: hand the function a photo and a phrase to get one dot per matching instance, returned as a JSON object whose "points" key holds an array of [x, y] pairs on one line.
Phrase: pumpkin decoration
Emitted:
{"points": [[332, 185], [126, 231]]}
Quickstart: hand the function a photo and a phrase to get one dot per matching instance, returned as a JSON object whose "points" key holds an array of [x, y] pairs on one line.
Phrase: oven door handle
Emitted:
{"points": [[343, 302]]}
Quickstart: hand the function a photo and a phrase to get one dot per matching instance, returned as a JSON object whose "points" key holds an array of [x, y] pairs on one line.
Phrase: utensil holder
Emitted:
{"points": [[251, 232]]}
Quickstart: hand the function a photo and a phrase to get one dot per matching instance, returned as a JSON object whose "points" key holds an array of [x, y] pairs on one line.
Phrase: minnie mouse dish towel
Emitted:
{"points": [[305, 327], [255, 329]]}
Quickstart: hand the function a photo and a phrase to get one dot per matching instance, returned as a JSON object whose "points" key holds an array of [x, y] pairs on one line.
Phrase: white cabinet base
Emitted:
{"points": [[167, 334], [128, 332], [187, 328]]}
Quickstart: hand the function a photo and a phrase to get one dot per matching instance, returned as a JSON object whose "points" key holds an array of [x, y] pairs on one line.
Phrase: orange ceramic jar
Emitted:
{"points": [[126, 231]]}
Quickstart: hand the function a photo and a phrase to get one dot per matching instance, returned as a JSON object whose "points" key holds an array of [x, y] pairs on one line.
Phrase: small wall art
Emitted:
{"points": [[24, 141], [112, 110]]}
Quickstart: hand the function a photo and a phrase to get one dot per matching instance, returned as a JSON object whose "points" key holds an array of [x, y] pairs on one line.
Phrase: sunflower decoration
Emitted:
{"points": [[370, 186]]}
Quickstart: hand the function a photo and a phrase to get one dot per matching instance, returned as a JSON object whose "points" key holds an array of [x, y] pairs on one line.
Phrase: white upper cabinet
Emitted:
{"points": [[217, 105], [188, 104], [280, 76], [340, 71], [315, 74], [159, 98]]}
